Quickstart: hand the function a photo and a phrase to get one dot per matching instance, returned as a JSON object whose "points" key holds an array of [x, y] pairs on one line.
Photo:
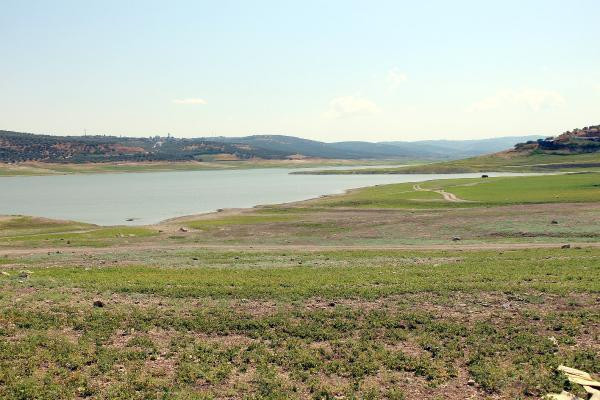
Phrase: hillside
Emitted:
{"points": [[577, 141], [16, 147], [570, 151], [465, 148], [419, 150]]}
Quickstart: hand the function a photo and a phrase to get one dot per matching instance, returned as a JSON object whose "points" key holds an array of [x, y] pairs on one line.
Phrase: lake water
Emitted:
{"points": [[110, 199]]}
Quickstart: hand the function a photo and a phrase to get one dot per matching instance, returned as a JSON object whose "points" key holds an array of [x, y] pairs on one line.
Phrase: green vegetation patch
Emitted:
{"points": [[23, 225], [93, 236], [535, 162], [561, 188], [300, 325], [306, 277], [237, 220]]}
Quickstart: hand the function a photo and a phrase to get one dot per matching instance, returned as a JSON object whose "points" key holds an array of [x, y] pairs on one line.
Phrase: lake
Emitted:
{"points": [[150, 197]]}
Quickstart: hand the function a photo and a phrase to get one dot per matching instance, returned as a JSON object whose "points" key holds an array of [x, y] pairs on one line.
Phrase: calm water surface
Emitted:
{"points": [[110, 199]]}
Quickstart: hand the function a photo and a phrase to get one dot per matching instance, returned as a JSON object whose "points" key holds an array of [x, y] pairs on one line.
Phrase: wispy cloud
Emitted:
{"points": [[534, 99], [189, 101], [351, 106], [395, 78]]}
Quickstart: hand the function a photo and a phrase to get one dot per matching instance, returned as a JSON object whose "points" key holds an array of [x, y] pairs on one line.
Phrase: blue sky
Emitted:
{"points": [[326, 70]]}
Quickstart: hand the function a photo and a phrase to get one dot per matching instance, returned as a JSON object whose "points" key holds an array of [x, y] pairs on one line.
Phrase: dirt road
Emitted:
{"points": [[446, 195], [310, 248]]}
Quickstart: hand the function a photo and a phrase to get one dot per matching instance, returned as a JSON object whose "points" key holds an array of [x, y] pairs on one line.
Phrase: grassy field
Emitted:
{"points": [[564, 188], [355, 324], [500, 162], [265, 304]]}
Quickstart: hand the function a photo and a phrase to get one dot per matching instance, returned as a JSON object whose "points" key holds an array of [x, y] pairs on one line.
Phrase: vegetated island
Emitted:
{"points": [[574, 150]]}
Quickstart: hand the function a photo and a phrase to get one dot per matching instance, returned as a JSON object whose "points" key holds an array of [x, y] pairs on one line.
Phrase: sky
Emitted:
{"points": [[325, 70]]}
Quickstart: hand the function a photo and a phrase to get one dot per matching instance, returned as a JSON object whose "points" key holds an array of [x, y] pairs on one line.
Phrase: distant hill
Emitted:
{"points": [[423, 150], [20, 147], [577, 150], [465, 148]]}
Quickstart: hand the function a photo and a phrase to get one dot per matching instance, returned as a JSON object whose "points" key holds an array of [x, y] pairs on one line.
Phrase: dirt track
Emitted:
{"points": [[311, 248], [446, 195]]}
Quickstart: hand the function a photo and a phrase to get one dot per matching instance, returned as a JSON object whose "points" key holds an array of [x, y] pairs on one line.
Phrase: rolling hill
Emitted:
{"points": [[22, 147], [576, 150]]}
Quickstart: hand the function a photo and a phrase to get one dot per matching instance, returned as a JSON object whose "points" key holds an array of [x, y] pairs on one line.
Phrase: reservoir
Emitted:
{"points": [[150, 197]]}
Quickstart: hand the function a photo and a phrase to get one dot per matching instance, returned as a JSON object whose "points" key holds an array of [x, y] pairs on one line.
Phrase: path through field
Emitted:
{"points": [[227, 247], [446, 195]]}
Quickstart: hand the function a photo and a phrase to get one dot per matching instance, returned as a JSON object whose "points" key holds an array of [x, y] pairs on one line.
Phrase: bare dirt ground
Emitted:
{"points": [[507, 227], [311, 248]]}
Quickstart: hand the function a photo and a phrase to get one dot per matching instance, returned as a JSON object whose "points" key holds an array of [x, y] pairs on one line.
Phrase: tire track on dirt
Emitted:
{"points": [[451, 197]]}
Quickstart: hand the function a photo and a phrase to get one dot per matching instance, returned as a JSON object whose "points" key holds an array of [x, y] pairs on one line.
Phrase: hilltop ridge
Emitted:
{"points": [[577, 141], [16, 147]]}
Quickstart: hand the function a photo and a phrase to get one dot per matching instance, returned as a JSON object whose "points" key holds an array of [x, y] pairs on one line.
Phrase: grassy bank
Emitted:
{"points": [[563, 188], [490, 163]]}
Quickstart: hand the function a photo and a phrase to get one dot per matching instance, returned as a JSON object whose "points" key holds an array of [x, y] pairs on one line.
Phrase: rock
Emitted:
{"points": [[98, 303], [182, 229], [456, 238], [565, 246], [471, 382]]}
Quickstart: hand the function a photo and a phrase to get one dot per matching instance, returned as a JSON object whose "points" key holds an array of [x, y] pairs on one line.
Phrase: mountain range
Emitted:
{"points": [[19, 147]]}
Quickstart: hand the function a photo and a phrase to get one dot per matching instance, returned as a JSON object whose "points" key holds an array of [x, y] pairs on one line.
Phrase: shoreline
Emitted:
{"points": [[232, 211], [59, 169]]}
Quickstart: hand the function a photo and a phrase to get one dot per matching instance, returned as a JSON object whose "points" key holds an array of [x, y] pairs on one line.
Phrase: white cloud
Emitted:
{"points": [[395, 78], [351, 106], [534, 99], [189, 101]]}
